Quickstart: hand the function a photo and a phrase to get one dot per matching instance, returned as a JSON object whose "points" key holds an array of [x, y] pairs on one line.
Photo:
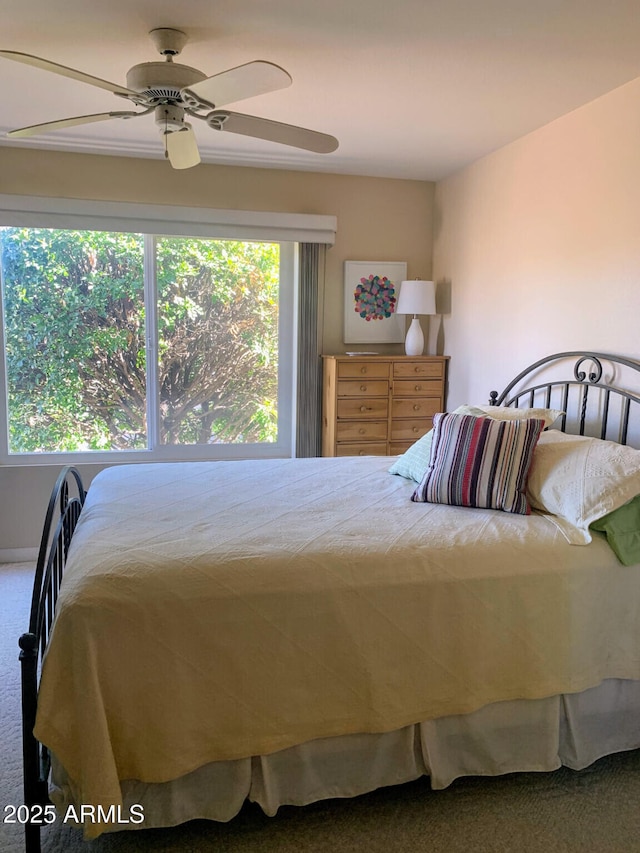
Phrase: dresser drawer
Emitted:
{"points": [[370, 369], [370, 407], [398, 447], [371, 448], [410, 430], [363, 388], [361, 431], [417, 388], [418, 407], [427, 369]]}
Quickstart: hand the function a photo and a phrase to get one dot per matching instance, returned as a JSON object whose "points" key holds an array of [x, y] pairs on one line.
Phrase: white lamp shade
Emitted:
{"points": [[417, 297]]}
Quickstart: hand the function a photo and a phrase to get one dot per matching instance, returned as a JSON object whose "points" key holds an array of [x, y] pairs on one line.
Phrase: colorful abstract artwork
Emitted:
{"points": [[375, 297], [370, 296]]}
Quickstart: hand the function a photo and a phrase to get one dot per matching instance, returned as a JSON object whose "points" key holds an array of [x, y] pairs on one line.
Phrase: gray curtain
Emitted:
{"points": [[311, 258]]}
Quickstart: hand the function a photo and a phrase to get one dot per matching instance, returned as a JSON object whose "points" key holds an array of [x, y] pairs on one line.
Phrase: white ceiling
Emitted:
{"points": [[411, 88]]}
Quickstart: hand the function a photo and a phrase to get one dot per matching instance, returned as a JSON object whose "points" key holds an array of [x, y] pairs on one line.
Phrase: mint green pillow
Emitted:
{"points": [[414, 462], [622, 529]]}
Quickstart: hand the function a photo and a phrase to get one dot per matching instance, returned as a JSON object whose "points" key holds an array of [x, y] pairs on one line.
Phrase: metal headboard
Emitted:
{"points": [[598, 407]]}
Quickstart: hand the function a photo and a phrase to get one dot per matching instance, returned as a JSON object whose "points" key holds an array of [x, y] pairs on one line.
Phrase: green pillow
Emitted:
{"points": [[415, 461], [622, 529]]}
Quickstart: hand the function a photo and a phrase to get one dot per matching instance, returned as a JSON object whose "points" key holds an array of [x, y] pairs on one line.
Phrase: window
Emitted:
{"points": [[171, 346], [138, 332], [217, 321]]}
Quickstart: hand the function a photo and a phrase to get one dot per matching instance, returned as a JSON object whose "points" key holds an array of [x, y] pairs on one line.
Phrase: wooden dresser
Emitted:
{"points": [[379, 405]]}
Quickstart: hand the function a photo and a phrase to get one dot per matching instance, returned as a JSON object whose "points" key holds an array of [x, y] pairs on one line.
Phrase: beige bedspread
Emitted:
{"points": [[217, 610]]}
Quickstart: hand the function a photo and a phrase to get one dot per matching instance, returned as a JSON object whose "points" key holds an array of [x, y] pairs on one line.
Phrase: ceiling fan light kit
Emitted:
{"points": [[172, 91], [181, 148]]}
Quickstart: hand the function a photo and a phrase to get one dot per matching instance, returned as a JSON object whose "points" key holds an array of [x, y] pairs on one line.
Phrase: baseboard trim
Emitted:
{"points": [[18, 555]]}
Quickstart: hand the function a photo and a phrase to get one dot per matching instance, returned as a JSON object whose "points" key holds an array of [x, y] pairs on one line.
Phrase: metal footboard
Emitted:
{"points": [[63, 511]]}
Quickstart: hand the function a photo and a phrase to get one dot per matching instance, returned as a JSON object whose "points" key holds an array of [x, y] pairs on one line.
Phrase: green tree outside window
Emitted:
{"points": [[75, 340]]}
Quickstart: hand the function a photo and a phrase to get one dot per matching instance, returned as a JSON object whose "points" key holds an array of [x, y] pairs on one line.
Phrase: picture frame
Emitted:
{"points": [[371, 291]]}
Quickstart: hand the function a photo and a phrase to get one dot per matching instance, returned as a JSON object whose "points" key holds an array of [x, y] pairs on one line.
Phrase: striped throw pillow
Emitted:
{"points": [[480, 462]]}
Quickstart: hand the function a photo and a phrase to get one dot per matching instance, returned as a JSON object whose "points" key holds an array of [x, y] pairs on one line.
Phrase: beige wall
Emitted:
{"points": [[541, 244], [378, 219]]}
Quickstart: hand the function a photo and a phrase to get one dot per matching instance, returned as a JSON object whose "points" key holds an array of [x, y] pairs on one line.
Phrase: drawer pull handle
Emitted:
{"points": [[365, 409], [418, 369], [416, 429], [363, 387], [361, 431], [363, 370], [418, 388], [362, 453], [417, 407]]}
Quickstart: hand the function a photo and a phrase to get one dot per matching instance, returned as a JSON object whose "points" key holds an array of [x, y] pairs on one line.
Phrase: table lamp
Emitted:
{"points": [[416, 297]]}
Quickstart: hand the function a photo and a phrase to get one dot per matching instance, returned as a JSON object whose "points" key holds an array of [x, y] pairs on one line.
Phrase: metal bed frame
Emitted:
{"points": [[67, 498], [57, 532], [590, 386]]}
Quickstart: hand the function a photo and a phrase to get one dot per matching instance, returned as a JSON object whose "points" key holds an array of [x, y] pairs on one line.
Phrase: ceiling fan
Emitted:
{"points": [[172, 91]]}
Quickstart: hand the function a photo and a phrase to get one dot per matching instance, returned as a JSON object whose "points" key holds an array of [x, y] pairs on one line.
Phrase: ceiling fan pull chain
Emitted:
{"points": [[166, 131]]}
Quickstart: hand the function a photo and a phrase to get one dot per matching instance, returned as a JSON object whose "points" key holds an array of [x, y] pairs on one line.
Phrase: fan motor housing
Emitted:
{"points": [[163, 80]]}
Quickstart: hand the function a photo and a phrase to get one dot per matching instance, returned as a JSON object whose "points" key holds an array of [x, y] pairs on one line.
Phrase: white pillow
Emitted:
{"points": [[509, 413], [577, 480]]}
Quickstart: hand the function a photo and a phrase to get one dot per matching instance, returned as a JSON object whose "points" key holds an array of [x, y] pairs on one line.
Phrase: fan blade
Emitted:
{"points": [[46, 65], [35, 129], [182, 148], [236, 84], [274, 131]]}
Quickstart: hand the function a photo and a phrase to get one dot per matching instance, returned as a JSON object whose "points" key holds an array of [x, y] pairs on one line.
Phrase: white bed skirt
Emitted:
{"points": [[505, 737]]}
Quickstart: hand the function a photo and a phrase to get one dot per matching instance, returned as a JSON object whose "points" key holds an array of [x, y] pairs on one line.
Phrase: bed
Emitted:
{"points": [[289, 630]]}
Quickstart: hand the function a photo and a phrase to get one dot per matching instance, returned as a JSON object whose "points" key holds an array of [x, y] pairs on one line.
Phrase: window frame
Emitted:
{"points": [[286, 229]]}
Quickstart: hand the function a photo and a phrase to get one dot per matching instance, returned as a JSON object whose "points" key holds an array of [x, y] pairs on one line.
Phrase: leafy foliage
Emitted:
{"points": [[75, 340]]}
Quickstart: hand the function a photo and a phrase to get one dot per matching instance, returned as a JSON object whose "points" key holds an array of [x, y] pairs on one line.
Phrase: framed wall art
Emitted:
{"points": [[371, 291]]}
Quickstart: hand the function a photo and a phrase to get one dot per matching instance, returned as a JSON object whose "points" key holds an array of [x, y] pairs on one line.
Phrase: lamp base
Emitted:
{"points": [[414, 342]]}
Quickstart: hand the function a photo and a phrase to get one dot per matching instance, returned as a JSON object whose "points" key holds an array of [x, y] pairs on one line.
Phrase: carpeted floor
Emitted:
{"points": [[596, 810]]}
